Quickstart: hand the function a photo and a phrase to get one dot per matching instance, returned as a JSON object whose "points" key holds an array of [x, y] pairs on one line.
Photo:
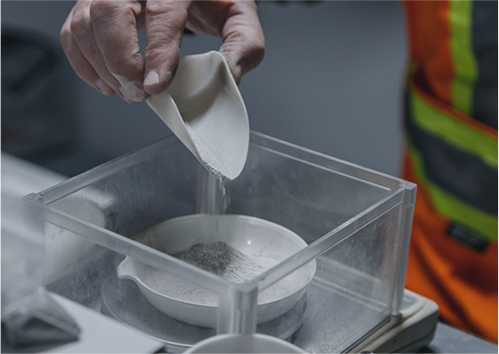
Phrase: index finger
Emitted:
{"points": [[115, 30], [165, 22], [244, 42]]}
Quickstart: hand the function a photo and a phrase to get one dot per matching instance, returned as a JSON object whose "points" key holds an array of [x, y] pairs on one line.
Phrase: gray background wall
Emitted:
{"points": [[331, 81]]}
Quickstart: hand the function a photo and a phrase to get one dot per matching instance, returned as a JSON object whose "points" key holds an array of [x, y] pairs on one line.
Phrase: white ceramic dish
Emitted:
{"points": [[267, 242], [243, 343], [205, 110]]}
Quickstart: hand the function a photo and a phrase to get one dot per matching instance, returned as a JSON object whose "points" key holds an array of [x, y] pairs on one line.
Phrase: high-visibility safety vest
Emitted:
{"points": [[452, 154]]}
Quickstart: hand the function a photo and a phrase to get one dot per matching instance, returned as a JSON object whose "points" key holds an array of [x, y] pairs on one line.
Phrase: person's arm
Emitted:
{"points": [[101, 42]]}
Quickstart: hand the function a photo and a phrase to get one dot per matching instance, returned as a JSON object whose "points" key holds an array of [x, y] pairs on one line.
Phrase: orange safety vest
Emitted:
{"points": [[451, 144]]}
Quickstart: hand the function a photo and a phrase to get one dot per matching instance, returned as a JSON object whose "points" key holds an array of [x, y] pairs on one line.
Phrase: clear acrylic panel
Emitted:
{"points": [[354, 225]]}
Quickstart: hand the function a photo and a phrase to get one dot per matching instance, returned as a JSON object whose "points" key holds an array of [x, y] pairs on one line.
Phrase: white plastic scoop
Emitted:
{"points": [[204, 109]]}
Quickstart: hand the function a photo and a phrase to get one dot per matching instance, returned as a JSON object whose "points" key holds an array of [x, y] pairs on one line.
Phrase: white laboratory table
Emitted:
{"points": [[99, 334]]}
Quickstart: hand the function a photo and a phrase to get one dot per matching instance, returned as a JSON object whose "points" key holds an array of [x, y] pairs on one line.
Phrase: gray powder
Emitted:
{"points": [[221, 259], [232, 265]]}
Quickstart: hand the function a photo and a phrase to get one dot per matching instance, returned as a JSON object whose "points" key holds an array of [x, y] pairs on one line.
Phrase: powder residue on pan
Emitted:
{"points": [[223, 260]]}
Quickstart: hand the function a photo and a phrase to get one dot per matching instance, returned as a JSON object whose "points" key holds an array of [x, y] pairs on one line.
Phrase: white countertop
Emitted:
{"points": [[20, 177], [99, 334]]}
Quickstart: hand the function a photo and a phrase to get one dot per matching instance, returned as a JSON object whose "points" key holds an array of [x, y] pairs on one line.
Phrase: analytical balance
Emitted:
{"points": [[356, 223]]}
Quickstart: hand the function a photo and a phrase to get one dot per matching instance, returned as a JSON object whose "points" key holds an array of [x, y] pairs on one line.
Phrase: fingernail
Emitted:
{"points": [[133, 91], [103, 87], [151, 78]]}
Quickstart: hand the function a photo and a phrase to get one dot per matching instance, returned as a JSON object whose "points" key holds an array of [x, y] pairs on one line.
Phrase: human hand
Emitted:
{"points": [[101, 42]]}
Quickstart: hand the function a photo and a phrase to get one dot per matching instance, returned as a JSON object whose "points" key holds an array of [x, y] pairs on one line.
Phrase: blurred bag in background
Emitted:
{"points": [[38, 115]]}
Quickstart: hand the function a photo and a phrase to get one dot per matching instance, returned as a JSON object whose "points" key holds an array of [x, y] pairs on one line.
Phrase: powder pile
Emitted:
{"points": [[232, 265], [221, 259]]}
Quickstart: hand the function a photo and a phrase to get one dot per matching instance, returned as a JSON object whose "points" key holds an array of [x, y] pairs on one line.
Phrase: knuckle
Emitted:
{"points": [[80, 25], [65, 36], [158, 7], [259, 51], [175, 11], [123, 69], [103, 8]]}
